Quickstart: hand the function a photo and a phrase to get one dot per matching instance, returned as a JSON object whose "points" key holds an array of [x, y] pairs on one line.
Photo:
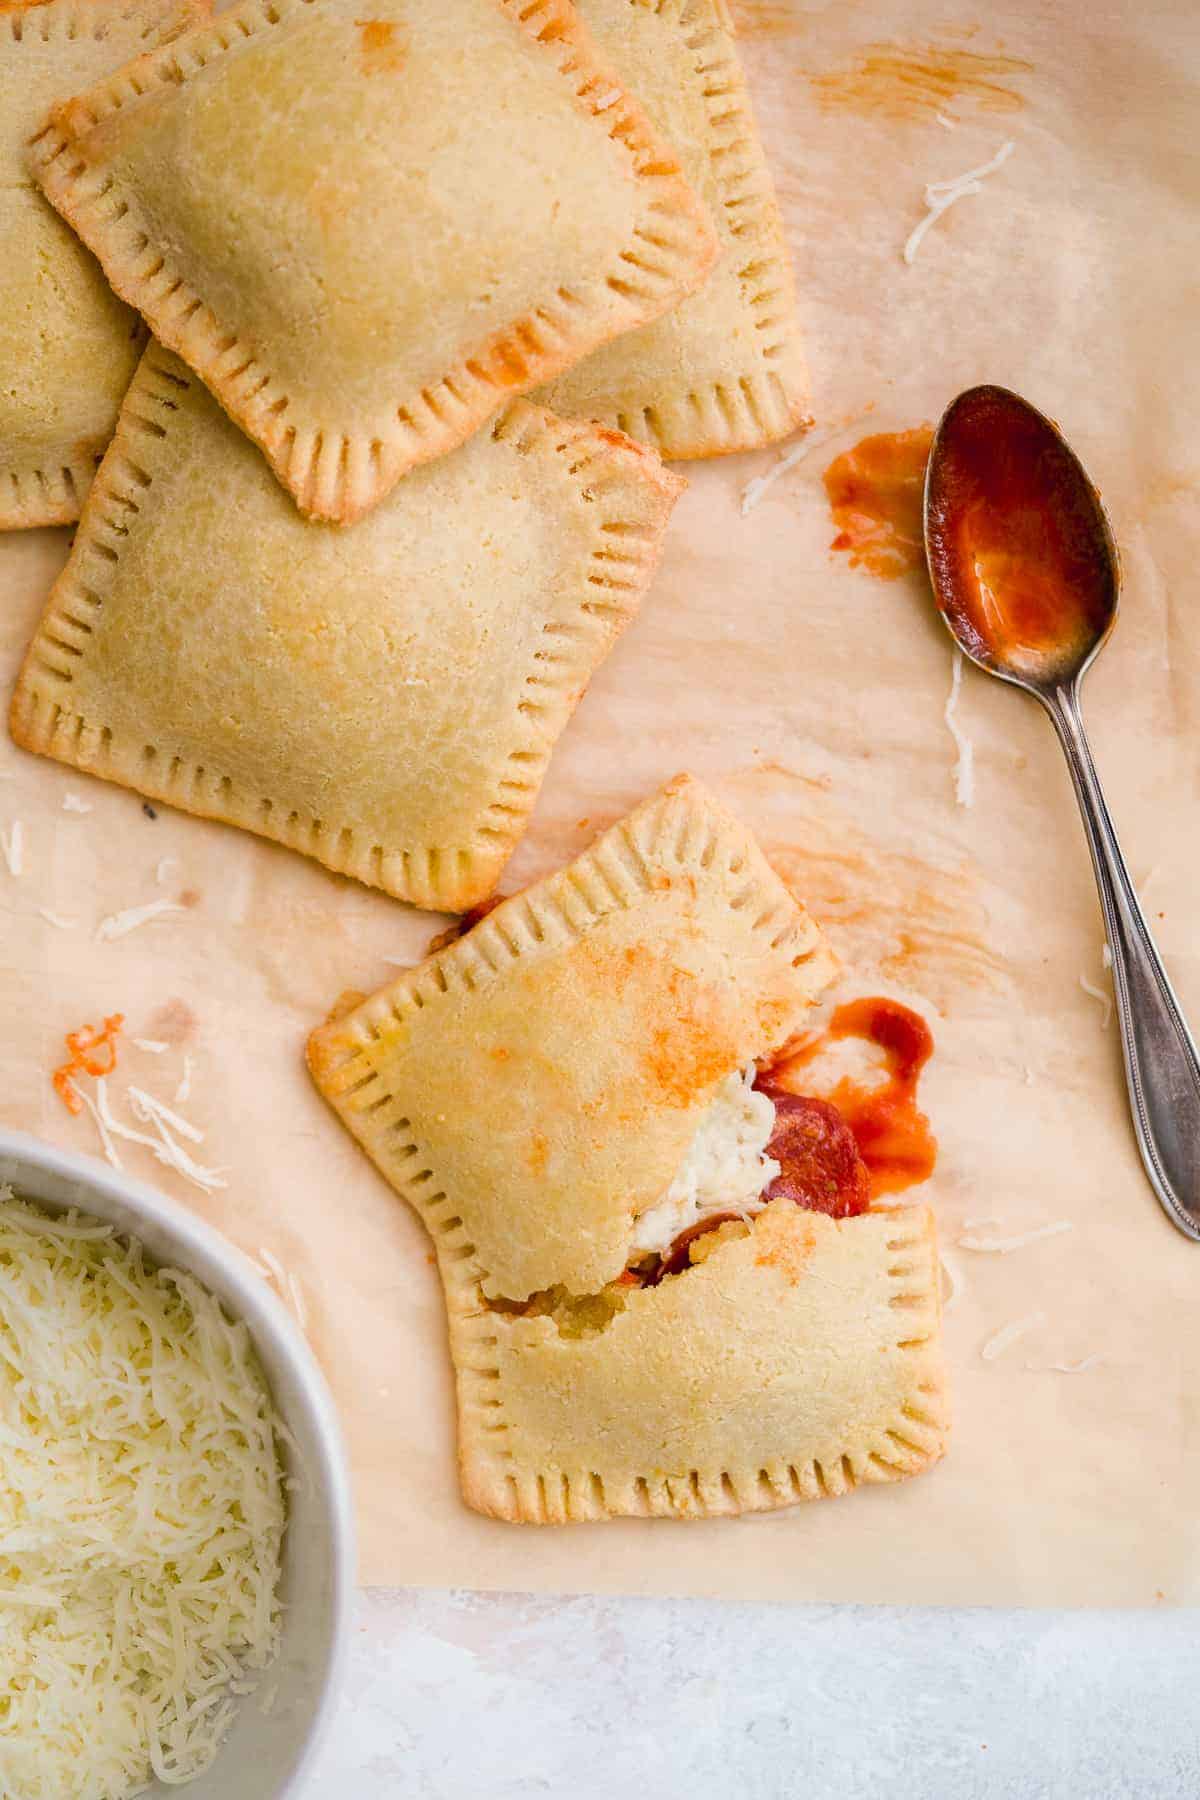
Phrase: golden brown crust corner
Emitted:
{"points": [[179, 476], [725, 370], [336, 461]]}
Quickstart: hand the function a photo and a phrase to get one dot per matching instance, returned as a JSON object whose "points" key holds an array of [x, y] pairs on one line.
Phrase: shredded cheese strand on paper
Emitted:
{"points": [[1002, 1340], [185, 1082], [941, 195], [146, 1107], [12, 848], [160, 1140], [297, 1299], [118, 925], [952, 1269], [1095, 1361], [1002, 1246], [754, 490], [964, 767], [1089, 987]]}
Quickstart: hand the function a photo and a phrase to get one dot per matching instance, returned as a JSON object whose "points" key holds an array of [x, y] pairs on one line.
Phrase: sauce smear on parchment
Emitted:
{"points": [[891, 1132], [876, 492]]}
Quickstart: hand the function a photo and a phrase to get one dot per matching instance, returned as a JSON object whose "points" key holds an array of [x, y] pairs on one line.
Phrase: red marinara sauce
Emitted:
{"points": [[891, 1133], [876, 493], [1019, 549], [836, 1155]]}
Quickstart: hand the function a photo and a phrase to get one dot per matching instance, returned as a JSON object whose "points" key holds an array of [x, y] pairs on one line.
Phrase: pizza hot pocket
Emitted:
{"points": [[667, 1288]]}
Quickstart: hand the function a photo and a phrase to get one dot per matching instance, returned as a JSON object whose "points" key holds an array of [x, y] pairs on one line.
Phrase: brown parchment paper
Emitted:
{"points": [[811, 696]]}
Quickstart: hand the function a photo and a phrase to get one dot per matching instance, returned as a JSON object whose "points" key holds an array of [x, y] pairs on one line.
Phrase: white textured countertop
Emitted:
{"points": [[503, 1695]]}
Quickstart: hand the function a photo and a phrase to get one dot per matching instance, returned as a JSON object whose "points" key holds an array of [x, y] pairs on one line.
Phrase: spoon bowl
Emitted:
{"points": [[1026, 576], [1021, 555]]}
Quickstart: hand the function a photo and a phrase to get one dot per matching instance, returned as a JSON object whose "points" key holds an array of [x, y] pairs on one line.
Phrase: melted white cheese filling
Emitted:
{"points": [[724, 1169]]}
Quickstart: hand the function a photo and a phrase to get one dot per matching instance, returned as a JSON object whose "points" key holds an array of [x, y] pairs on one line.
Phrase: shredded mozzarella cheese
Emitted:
{"points": [[58, 920], [152, 1046], [724, 1169], [754, 490], [1076, 1368], [956, 1281], [12, 847], [75, 803], [160, 1141], [1001, 1246], [185, 1082], [941, 195], [297, 1299], [964, 767], [1089, 987], [1002, 1340], [274, 1265], [141, 1514], [117, 925]]}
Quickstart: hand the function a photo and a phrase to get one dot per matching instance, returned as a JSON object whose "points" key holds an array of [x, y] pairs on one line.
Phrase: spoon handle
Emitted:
{"points": [[1161, 1065]]}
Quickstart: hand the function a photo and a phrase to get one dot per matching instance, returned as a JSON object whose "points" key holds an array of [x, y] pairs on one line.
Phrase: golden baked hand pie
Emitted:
{"points": [[68, 346], [367, 226], [385, 699], [725, 369], [565, 1096]]}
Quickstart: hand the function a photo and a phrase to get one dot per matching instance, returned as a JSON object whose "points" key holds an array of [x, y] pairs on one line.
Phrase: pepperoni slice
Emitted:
{"points": [[678, 1257], [819, 1164]]}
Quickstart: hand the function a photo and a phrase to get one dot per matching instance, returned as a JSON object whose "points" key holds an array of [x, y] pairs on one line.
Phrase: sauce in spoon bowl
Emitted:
{"points": [[1020, 554]]}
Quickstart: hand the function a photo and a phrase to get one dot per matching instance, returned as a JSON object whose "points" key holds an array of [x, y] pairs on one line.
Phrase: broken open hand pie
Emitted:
{"points": [[68, 346], [365, 228], [385, 699], [642, 1318], [725, 369]]}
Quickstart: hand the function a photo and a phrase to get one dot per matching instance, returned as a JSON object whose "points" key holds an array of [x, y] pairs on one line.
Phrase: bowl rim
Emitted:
{"points": [[266, 1318]]}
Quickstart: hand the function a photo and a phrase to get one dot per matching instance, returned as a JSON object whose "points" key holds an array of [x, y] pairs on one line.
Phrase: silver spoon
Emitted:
{"points": [[1025, 574]]}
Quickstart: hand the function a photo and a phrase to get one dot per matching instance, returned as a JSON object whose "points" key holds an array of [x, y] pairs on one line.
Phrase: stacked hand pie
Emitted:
{"points": [[360, 239], [422, 299]]}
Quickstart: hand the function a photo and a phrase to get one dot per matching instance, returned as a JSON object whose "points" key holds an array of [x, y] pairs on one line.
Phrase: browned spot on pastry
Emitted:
{"points": [[773, 1016], [539, 1153], [174, 1023], [345, 1003], [380, 52], [190, 897], [913, 81], [785, 1241], [689, 1048]]}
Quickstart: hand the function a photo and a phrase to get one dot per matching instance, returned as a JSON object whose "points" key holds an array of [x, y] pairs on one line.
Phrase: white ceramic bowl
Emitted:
{"points": [[266, 1755]]}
